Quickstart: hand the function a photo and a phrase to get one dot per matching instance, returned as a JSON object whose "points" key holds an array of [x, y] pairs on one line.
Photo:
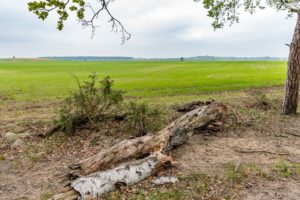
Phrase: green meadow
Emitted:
{"points": [[43, 80]]}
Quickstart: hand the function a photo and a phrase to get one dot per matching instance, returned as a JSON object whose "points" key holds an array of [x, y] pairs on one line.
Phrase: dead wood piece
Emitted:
{"points": [[76, 121], [70, 195], [165, 180], [120, 152], [292, 134], [282, 136], [250, 151], [50, 131], [192, 106], [120, 118], [144, 155], [173, 135], [96, 184]]}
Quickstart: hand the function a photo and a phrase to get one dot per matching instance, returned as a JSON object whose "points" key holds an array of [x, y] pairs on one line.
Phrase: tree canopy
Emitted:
{"points": [[63, 8], [222, 12], [227, 11]]}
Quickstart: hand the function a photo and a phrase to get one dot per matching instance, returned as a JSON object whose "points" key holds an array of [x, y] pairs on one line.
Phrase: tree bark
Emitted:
{"points": [[290, 103], [99, 183]]}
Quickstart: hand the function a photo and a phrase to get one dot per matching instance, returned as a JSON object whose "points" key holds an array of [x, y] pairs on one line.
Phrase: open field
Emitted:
{"points": [[255, 156], [43, 80]]}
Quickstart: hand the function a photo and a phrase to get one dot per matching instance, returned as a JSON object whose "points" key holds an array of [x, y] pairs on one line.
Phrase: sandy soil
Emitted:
{"points": [[35, 170]]}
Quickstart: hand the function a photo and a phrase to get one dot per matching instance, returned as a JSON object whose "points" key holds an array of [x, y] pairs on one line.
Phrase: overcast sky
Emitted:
{"points": [[168, 28]]}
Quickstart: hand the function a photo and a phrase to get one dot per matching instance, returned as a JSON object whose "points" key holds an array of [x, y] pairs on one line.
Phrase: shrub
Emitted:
{"points": [[143, 119], [2, 157], [92, 103], [96, 101], [262, 102]]}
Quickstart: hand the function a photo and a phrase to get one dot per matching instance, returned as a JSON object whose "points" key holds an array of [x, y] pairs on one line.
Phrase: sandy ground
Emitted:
{"points": [[34, 171]]}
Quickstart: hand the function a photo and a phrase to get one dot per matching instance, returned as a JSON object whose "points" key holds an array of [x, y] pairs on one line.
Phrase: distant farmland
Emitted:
{"points": [[42, 80]]}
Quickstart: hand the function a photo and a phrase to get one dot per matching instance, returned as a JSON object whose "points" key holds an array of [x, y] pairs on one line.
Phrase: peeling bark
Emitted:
{"points": [[96, 184]]}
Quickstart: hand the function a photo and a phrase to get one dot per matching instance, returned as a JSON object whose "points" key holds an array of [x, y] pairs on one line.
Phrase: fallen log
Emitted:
{"points": [[173, 135], [147, 149]]}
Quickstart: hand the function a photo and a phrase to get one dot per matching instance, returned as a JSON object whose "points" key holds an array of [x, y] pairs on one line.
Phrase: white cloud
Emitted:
{"points": [[166, 28]]}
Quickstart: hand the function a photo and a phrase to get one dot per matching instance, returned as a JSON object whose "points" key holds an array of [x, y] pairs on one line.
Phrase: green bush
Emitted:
{"points": [[92, 103], [96, 101]]}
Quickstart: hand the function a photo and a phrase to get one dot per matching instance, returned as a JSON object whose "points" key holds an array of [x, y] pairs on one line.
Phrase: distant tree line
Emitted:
{"points": [[197, 58]]}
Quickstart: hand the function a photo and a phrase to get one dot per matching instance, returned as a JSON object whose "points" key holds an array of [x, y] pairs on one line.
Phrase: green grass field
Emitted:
{"points": [[40, 80]]}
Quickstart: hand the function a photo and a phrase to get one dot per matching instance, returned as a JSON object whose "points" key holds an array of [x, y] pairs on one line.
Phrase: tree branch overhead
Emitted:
{"points": [[81, 8]]}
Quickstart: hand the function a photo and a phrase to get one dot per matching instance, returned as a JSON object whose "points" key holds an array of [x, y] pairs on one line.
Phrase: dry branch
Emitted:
{"points": [[250, 151], [292, 134]]}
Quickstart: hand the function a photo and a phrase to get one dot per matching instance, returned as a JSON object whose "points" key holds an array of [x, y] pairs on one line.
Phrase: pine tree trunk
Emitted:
{"points": [[290, 104]]}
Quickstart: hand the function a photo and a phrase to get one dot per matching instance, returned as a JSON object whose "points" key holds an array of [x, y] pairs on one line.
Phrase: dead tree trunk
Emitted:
{"points": [[151, 150], [290, 104]]}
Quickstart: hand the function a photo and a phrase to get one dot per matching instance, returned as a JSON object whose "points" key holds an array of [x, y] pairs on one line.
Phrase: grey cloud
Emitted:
{"points": [[160, 29]]}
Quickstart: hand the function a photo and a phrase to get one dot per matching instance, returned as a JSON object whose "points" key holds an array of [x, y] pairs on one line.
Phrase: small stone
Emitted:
{"points": [[10, 137], [219, 123], [165, 180], [17, 144]]}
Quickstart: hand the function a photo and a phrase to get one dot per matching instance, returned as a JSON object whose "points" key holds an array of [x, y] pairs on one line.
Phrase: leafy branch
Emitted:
{"points": [[63, 8]]}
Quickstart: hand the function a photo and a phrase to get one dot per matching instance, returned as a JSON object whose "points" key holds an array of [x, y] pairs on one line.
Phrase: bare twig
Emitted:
{"points": [[117, 26], [250, 151], [64, 7], [293, 134]]}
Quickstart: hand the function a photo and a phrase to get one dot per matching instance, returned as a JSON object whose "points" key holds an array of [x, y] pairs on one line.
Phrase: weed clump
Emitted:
{"points": [[262, 102], [2, 157], [234, 173], [287, 170], [143, 119]]}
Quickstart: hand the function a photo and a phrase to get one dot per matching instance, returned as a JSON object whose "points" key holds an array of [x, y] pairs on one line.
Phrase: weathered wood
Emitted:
{"points": [[68, 195], [144, 155], [96, 184], [173, 135], [192, 106], [50, 131]]}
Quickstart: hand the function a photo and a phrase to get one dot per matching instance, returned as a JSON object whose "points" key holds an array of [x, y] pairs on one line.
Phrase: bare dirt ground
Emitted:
{"points": [[263, 139]]}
